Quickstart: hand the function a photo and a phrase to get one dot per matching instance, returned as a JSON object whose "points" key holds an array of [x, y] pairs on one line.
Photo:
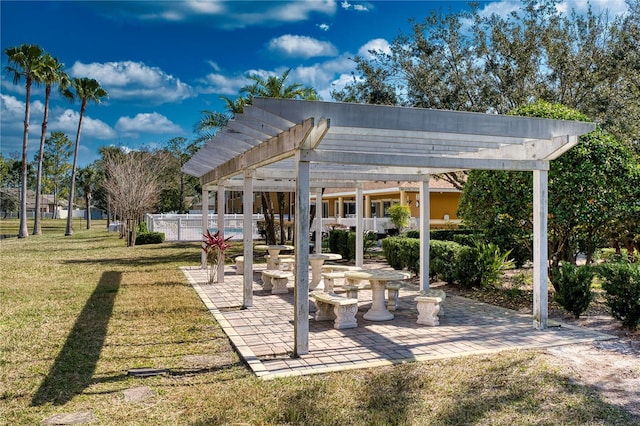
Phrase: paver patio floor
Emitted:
{"points": [[263, 334]]}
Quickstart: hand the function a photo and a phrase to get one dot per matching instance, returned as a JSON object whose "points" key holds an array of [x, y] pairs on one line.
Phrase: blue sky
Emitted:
{"points": [[163, 62]]}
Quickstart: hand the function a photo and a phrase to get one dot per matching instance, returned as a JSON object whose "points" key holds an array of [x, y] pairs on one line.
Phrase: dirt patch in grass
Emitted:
{"points": [[611, 367]]}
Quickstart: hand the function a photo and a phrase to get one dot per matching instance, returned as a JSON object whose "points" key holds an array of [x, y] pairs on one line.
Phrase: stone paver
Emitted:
{"points": [[263, 333]]}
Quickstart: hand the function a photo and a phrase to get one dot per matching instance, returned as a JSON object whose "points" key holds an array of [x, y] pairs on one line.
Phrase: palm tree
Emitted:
{"points": [[275, 87], [52, 73], [271, 87], [85, 89], [25, 61]]}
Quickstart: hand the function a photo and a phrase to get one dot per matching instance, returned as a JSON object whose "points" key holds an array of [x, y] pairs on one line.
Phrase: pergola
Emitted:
{"points": [[304, 146]]}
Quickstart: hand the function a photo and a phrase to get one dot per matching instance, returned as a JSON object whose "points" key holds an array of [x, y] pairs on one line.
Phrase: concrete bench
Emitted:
{"points": [[341, 309], [393, 292], [429, 306], [287, 263], [329, 280], [352, 288], [339, 268], [276, 281], [239, 265]]}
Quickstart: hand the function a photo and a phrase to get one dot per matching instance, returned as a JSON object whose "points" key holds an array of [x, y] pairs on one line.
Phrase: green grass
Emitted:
{"points": [[76, 313]]}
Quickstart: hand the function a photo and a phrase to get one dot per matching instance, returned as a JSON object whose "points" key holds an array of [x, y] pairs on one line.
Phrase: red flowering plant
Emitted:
{"points": [[214, 246]]}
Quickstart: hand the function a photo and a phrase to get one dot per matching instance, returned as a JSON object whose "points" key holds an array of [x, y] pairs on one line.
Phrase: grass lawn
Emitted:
{"points": [[78, 312]]}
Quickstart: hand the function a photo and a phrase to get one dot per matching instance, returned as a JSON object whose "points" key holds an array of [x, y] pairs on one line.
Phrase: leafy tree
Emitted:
{"points": [[85, 89], [51, 73], [471, 62], [8, 202], [590, 188], [57, 151], [25, 61], [177, 185], [4, 171]]}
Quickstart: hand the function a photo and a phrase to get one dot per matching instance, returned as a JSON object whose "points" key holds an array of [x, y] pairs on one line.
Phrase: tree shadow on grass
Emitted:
{"points": [[73, 369]]}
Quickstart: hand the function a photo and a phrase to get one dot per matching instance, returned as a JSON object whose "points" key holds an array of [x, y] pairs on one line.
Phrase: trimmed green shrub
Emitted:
{"points": [[149, 238], [338, 242], [442, 255], [481, 265], [450, 234], [573, 287], [412, 233], [344, 243], [622, 286]]}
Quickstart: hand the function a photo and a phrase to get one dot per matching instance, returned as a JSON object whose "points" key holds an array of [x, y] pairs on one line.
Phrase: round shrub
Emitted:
{"points": [[573, 287], [622, 286]]}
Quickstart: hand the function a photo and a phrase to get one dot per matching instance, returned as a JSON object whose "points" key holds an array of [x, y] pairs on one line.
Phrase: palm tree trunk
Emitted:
{"points": [[23, 232], [36, 223], [69, 230], [87, 198]]}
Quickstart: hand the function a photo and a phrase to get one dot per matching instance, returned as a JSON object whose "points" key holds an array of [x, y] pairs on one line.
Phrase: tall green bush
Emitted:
{"points": [[481, 265], [404, 253], [622, 286], [399, 215], [573, 287], [344, 243]]}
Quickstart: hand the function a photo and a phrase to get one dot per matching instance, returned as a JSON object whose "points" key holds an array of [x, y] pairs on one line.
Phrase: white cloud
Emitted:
{"points": [[128, 80], [147, 123], [358, 7], [302, 46], [222, 14], [505, 7], [377, 45], [67, 122], [614, 7], [222, 84], [324, 27]]}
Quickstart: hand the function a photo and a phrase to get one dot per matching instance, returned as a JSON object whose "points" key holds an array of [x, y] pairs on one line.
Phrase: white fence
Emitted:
{"points": [[188, 227]]}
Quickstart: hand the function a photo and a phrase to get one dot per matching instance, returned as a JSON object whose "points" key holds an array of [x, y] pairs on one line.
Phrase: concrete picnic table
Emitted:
{"points": [[316, 261], [378, 280], [274, 252]]}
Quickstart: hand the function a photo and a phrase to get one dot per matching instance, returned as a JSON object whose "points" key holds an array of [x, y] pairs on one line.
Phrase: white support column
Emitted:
{"points": [[301, 288], [247, 240], [340, 207], [359, 226], [425, 211], [221, 211], [205, 222], [367, 206], [540, 255], [318, 227]]}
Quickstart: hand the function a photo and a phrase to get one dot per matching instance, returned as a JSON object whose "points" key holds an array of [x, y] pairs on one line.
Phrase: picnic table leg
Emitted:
{"points": [[378, 311]]}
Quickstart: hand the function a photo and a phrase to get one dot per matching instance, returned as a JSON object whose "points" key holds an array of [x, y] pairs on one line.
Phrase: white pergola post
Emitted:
{"points": [[359, 226], [247, 240], [318, 227], [301, 288], [221, 210], [540, 260], [205, 222], [425, 207]]}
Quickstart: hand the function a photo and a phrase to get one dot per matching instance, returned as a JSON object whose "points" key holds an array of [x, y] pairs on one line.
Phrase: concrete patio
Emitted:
{"points": [[263, 334]]}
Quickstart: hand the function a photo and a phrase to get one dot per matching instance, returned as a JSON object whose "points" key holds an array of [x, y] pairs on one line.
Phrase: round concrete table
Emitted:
{"points": [[316, 261], [274, 252], [378, 280]]}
